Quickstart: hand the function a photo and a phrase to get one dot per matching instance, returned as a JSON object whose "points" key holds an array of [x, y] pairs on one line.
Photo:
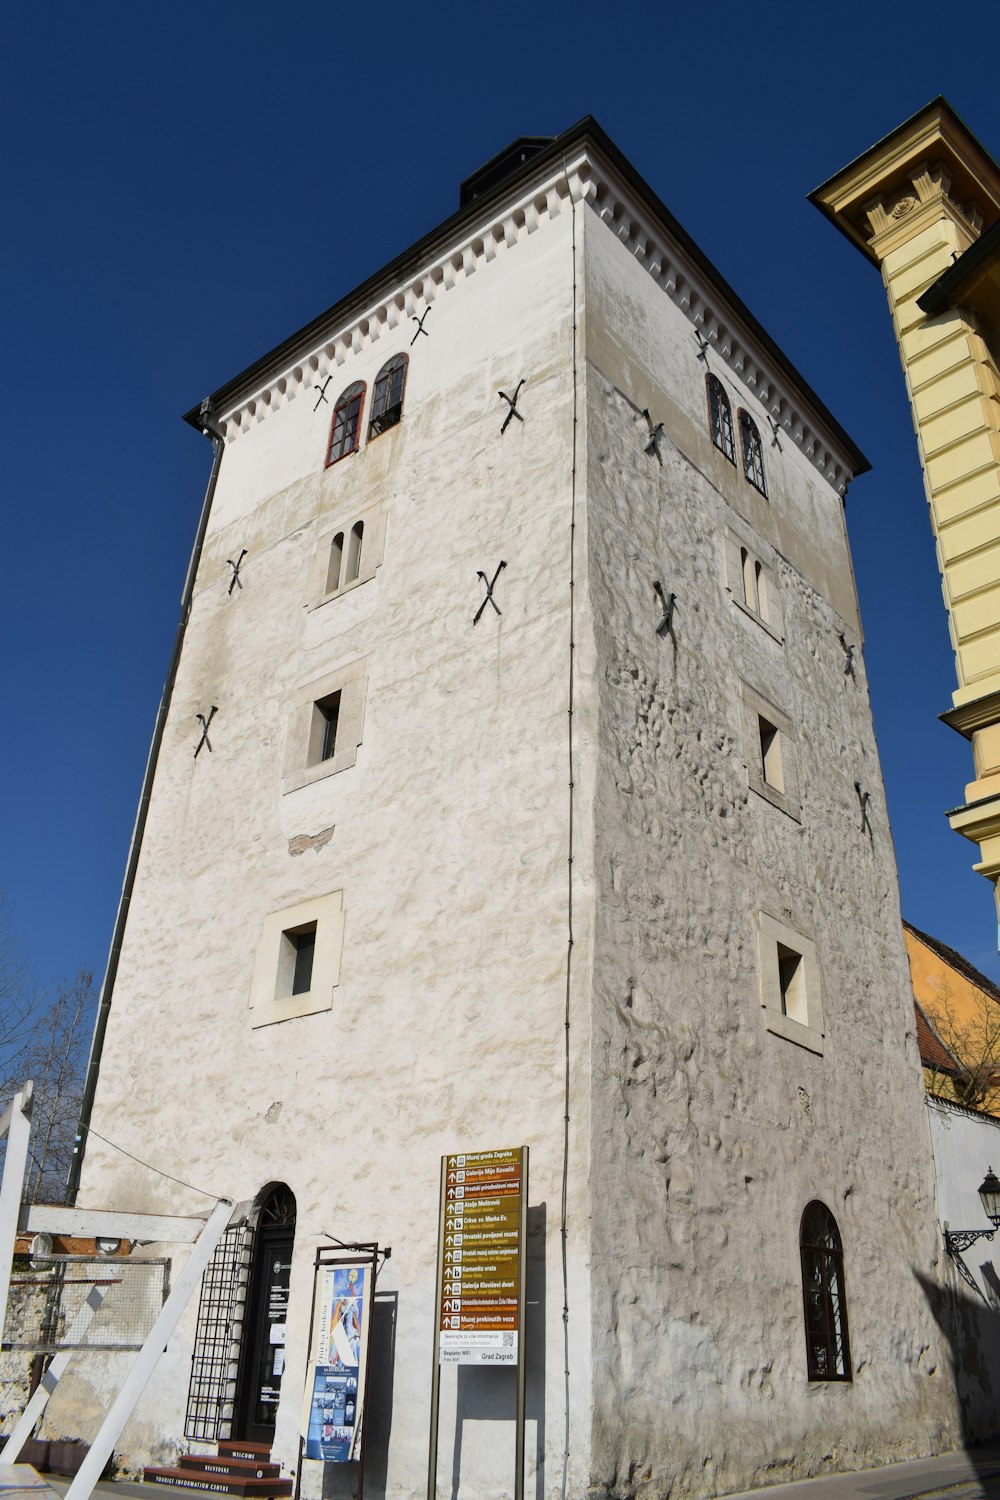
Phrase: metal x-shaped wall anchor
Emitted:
{"points": [[204, 729], [669, 602], [512, 403], [775, 429], [420, 326], [235, 581], [703, 345], [864, 798], [655, 433], [848, 655], [322, 392], [489, 591]]}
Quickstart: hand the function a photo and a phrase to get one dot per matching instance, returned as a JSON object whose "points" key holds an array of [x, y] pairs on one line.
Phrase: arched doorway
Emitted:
{"points": [[262, 1358]]}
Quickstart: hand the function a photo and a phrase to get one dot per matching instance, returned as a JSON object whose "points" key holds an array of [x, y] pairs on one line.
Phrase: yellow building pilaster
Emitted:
{"points": [[914, 205]]}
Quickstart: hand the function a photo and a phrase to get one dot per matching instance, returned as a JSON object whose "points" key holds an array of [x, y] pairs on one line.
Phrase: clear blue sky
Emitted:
{"points": [[186, 185]]}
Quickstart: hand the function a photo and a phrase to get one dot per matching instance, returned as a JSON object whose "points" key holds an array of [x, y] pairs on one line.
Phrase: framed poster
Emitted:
{"points": [[333, 1414]]}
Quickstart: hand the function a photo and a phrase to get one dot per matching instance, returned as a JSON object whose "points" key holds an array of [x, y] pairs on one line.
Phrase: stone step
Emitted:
{"points": [[237, 1448], [252, 1468], [232, 1484]]}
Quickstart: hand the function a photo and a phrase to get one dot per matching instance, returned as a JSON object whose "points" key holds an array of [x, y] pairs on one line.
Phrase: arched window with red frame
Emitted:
{"points": [[720, 417], [345, 429], [828, 1352], [387, 395], [753, 453]]}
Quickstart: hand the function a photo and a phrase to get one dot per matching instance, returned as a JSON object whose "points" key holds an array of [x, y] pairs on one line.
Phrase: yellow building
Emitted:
{"points": [[924, 206], [958, 1023]]}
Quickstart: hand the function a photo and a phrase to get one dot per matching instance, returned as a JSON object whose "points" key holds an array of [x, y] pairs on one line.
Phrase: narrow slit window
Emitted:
{"points": [[387, 396], [336, 562], [345, 428], [354, 552], [720, 418], [753, 453], [323, 740], [295, 961], [305, 952], [750, 574], [792, 983], [770, 754]]}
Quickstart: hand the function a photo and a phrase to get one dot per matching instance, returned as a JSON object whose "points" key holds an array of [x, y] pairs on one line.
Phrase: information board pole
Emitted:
{"points": [[432, 1461], [522, 1361]]}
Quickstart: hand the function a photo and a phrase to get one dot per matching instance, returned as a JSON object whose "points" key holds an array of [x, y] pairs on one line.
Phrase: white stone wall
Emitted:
{"points": [[449, 843], [710, 1134]]}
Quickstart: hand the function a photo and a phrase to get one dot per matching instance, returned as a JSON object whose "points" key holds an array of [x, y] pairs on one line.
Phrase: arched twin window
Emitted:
{"points": [[720, 425], [720, 418], [345, 563], [387, 409], [828, 1353]]}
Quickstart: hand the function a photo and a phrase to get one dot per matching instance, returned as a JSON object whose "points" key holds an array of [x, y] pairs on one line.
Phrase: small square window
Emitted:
{"points": [[790, 984], [296, 966], [771, 752], [325, 726]]}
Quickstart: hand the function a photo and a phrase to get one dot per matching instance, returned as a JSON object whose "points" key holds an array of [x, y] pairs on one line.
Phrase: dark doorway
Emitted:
{"points": [[262, 1360]]}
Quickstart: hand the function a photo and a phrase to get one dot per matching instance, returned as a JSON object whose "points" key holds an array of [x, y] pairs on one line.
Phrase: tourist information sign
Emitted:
{"points": [[481, 1226], [479, 1308]]}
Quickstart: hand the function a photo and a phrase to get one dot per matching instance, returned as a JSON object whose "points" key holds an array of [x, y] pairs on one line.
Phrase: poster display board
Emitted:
{"points": [[338, 1358]]}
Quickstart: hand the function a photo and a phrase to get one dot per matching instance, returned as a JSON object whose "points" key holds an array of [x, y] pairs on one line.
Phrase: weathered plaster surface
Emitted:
{"points": [[450, 847], [710, 1135]]}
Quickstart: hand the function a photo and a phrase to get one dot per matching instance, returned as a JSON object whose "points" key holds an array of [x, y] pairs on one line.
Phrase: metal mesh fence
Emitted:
{"points": [[83, 1302]]}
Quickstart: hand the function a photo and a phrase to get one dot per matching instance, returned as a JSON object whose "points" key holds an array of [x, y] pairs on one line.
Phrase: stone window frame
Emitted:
{"points": [[775, 938], [740, 552], [302, 765], [755, 708], [372, 519], [267, 1004]]}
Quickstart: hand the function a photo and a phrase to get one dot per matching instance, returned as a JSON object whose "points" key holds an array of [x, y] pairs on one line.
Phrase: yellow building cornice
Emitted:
{"points": [[930, 156]]}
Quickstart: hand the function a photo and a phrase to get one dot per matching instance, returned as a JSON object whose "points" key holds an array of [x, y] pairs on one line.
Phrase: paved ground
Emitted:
{"points": [[964, 1475]]}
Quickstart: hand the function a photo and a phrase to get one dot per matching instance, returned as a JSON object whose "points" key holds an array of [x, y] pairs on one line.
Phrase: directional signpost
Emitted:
{"points": [[479, 1302]]}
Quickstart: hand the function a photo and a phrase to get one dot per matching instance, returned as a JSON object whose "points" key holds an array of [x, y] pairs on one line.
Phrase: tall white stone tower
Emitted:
{"points": [[517, 785]]}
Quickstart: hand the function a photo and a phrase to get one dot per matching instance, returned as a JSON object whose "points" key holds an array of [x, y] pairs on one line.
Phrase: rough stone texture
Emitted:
{"points": [[710, 1135], [695, 1137], [447, 1025]]}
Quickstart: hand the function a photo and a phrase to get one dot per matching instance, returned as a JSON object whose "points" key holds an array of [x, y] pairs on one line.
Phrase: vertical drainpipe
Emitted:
{"points": [[210, 429]]}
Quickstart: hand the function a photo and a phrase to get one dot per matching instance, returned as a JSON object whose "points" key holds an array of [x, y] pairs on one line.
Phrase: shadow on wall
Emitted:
{"points": [[486, 1395], [341, 1480], [972, 1329]]}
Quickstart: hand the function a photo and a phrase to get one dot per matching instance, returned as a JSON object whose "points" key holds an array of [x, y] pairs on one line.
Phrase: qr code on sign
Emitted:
{"points": [[508, 1339]]}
